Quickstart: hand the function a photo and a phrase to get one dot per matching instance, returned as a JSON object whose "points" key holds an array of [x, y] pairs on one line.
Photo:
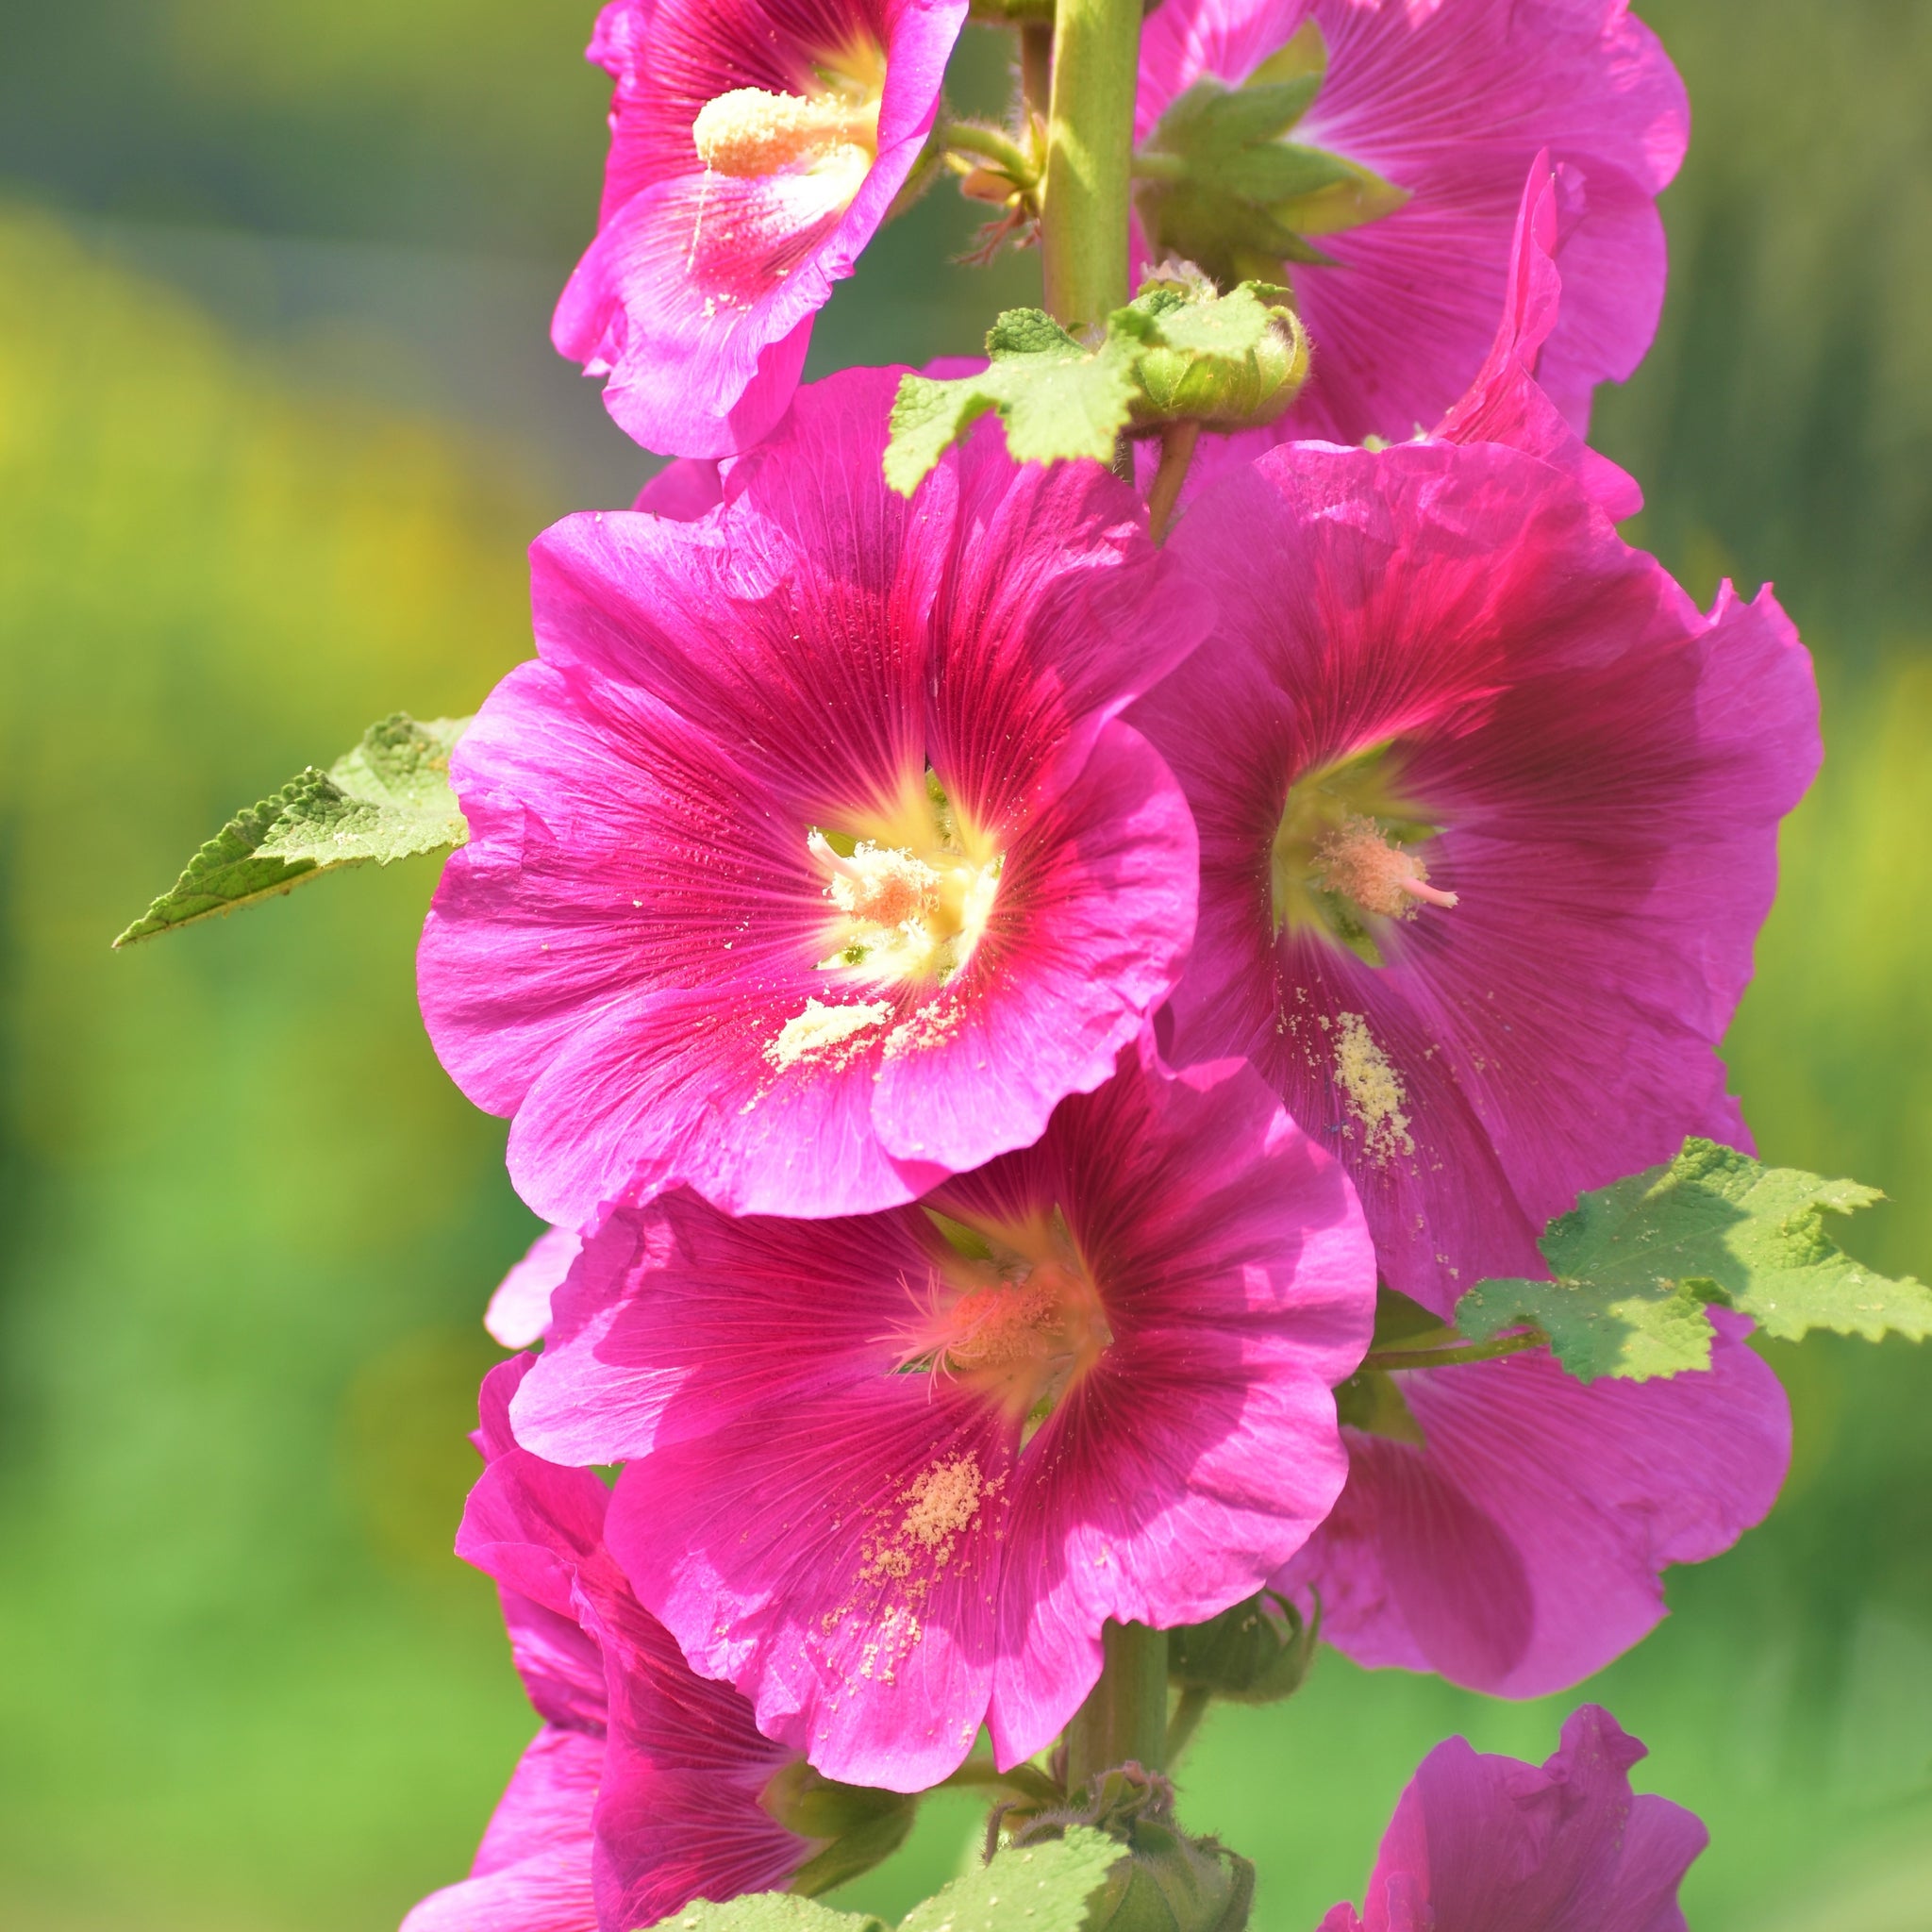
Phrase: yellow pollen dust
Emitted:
{"points": [[910, 906], [1358, 861], [750, 132], [1374, 1092], [820, 1030]]}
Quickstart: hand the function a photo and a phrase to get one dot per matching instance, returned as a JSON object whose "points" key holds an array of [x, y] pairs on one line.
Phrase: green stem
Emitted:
{"points": [[1189, 1711], [1036, 68], [989, 144], [1089, 157], [1025, 1781], [1177, 442], [1125, 1717], [1010, 10], [1454, 1357]]}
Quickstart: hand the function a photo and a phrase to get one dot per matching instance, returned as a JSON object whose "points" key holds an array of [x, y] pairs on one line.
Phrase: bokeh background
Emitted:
{"points": [[277, 415]]}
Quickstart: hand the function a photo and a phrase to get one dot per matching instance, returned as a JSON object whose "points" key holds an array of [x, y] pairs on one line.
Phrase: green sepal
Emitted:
{"points": [[1178, 352], [390, 798], [855, 1826], [1259, 1652], [1221, 186], [1638, 1265], [1054, 1886]]}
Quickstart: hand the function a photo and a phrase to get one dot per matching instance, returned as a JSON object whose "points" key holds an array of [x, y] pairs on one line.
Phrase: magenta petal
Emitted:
{"points": [[1489, 1844], [533, 1872], [1449, 1556], [519, 1312], [1506, 404], [643, 1790]]}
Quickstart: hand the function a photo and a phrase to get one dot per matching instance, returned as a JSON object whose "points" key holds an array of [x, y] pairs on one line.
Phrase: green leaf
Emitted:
{"points": [[1041, 1887], [1639, 1264], [388, 798], [767, 1911], [1178, 351], [1057, 399]]}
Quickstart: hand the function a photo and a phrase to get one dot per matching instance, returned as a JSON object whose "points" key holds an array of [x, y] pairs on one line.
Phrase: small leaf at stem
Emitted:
{"points": [[1638, 1265], [388, 798], [767, 1911], [1044, 1887], [1178, 353]]}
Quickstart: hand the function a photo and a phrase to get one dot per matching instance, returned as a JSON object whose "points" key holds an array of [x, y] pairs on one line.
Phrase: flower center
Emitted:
{"points": [[911, 900], [1341, 859], [752, 131], [1016, 1316]]}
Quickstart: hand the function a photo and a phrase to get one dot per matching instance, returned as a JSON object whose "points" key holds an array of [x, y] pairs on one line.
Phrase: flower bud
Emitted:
{"points": [[1168, 1882], [1233, 361], [1256, 1653]]}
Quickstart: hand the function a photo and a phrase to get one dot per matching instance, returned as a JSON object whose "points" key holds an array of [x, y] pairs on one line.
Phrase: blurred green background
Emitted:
{"points": [[277, 415]]}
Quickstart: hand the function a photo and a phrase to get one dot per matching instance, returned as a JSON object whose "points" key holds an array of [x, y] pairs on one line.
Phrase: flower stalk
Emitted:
{"points": [[1090, 159], [1123, 1720]]}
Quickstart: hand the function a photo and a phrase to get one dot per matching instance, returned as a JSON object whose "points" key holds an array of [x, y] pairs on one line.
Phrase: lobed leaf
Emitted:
{"points": [[1044, 1888], [1637, 1265], [767, 1911], [390, 798]]}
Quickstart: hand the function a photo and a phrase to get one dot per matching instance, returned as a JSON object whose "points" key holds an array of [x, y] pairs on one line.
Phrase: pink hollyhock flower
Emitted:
{"points": [[1488, 815], [647, 1786], [756, 145], [519, 1312], [1492, 1844], [809, 864], [892, 1475], [1447, 105], [1507, 1526]]}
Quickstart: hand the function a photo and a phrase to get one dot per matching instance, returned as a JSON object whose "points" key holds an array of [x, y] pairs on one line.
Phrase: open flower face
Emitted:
{"points": [[1389, 203], [1509, 1527], [1488, 816], [892, 1475], [1492, 1844], [647, 1786], [809, 865], [755, 146]]}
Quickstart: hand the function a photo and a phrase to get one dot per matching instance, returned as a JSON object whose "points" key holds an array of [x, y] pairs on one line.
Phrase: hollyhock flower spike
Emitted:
{"points": [[755, 146], [1488, 816], [1507, 1526], [809, 864], [1492, 1844], [890, 1475], [1422, 122], [647, 1786]]}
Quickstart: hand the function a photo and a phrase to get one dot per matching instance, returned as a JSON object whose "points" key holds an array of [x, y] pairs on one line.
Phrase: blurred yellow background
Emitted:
{"points": [[277, 416]]}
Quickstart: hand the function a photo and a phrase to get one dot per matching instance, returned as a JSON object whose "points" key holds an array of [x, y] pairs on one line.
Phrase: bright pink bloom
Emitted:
{"points": [[892, 1477], [1520, 1545], [1492, 1844], [808, 866], [756, 145], [642, 1791], [1451, 102], [1488, 815]]}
